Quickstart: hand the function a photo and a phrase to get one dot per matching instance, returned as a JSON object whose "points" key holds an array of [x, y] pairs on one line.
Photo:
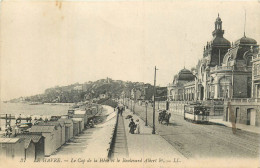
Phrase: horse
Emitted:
{"points": [[164, 116]]}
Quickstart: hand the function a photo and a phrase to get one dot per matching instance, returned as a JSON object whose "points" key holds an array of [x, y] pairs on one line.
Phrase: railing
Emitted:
{"points": [[222, 68], [243, 100], [257, 76], [230, 68], [113, 138], [244, 69]]}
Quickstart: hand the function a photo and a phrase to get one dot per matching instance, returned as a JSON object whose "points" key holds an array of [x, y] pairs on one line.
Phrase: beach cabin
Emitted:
{"points": [[75, 127], [68, 128], [11, 148], [79, 113], [33, 145], [52, 135], [61, 127], [81, 123]]}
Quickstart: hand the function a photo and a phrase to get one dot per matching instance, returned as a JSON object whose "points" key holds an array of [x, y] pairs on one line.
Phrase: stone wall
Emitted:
{"points": [[238, 112], [240, 86]]}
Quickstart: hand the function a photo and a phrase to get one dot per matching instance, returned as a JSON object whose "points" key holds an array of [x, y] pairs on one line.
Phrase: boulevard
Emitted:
{"points": [[203, 140]]}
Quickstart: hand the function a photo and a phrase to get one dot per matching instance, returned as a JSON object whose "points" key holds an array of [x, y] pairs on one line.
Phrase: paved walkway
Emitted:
{"points": [[243, 127], [93, 142], [146, 144]]}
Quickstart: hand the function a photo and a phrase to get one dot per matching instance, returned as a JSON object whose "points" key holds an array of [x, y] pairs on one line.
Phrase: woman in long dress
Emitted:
{"points": [[132, 126]]}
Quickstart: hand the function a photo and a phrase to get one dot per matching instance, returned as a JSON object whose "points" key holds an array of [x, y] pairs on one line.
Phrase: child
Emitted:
{"points": [[137, 127]]}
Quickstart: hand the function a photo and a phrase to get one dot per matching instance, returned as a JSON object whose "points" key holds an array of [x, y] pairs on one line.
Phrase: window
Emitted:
{"points": [[255, 70], [249, 61], [249, 82], [237, 114]]}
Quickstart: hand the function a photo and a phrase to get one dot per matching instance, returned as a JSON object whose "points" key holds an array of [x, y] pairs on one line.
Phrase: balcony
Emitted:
{"points": [[257, 77], [221, 68], [245, 69]]}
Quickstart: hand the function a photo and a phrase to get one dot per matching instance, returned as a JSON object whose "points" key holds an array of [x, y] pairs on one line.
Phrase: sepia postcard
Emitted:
{"points": [[130, 83]]}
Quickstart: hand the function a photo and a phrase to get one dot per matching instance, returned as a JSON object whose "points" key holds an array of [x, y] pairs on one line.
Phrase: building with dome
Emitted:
{"points": [[225, 71], [176, 90], [224, 74]]}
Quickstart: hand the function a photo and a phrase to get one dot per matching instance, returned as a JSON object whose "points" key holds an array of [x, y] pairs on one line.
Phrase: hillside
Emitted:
{"points": [[82, 92]]}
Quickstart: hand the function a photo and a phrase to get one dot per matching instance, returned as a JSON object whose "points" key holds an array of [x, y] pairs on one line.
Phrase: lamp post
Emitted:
{"points": [[131, 105], [154, 94], [146, 104], [134, 101], [134, 107]]}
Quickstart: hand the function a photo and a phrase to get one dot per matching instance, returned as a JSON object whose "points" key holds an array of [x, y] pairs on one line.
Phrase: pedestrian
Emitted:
{"points": [[122, 109], [137, 125], [118, 109], [132, 126]]}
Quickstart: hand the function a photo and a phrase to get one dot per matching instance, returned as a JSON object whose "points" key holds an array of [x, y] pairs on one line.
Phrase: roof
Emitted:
{"points": [[186, 75], [28, 138], [66, 120], [54, 123], [220, 41], [246, 40], [79, 116], [42, 128], [80, 112], [9, 140], [34, 137], [218, 19], [77, 119]]}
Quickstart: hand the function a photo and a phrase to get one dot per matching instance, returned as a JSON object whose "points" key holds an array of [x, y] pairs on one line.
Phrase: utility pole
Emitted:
{"points": [[146, 104], [154, 94]]}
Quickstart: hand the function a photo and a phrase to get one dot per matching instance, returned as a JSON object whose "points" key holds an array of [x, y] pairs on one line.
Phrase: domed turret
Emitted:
{"points": [[186, 75], [218, 33], [218, 46], [246, 40]]}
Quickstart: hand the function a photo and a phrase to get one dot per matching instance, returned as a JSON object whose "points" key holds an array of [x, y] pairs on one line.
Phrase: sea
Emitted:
{"points": [[35, 111]]}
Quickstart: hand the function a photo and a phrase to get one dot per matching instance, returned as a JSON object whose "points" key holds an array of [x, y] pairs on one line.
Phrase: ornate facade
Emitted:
{"points": [[176, 90], [256, 77], [224, 72]]}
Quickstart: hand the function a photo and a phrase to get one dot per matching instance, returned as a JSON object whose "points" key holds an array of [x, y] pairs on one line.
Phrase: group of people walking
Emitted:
{"points": [[120, 109], [134, 127]]}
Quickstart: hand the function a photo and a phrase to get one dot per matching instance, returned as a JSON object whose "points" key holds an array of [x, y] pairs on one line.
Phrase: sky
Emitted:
{"points": [[45, 44]]}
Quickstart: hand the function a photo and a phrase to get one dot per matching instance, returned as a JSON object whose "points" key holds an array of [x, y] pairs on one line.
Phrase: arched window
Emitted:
{"points": [[249, 61], [229, 61], [237, 114], [224, 84]]}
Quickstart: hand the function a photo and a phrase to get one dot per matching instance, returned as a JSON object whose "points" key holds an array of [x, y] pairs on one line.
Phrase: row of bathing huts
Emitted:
{"points": [[44, 137]]}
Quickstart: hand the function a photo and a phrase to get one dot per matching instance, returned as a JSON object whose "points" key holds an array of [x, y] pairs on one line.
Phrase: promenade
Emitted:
{"points": [[93, 142], [147, 145]]}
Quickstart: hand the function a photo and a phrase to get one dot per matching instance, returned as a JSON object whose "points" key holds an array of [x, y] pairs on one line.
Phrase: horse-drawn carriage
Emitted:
{"points": [[164, 116]]}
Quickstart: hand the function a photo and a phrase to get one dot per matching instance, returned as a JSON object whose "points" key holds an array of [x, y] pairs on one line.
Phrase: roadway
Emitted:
{"points": [[199, 140]]}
